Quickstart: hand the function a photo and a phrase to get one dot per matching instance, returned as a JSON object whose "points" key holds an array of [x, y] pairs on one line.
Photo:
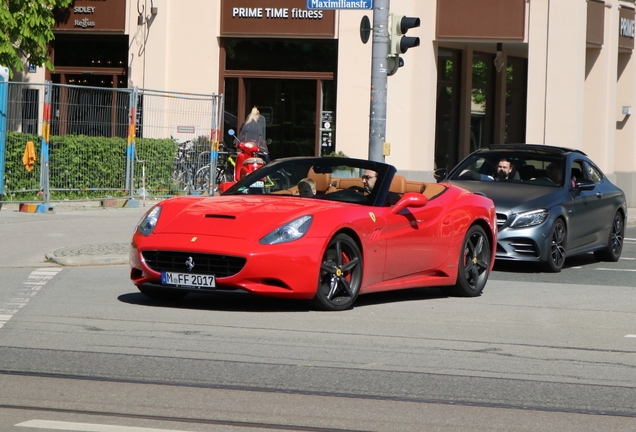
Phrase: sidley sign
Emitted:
{"points": [[92, 15], [339, 4], [275, 18]]}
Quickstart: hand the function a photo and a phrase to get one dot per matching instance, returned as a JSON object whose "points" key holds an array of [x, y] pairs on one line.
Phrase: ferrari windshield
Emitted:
{"points": [[331, 178], [512, 166]]}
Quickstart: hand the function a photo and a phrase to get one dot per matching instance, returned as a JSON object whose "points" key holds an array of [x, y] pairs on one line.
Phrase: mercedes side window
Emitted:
{"points": [[593, 173], [577, 171]]}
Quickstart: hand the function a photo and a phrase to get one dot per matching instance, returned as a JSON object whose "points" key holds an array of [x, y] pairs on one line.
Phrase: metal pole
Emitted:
{"points": [[379, 69], [130, 150], [46, 141], [217, 113], [4, 98]]}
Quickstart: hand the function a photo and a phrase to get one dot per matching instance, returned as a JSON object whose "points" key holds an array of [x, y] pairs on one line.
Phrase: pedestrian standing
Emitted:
{"points": [[253, 130]]}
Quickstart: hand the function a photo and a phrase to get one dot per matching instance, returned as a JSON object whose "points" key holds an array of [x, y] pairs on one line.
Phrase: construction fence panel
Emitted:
{"points": [[185, 122], [22, 168], [87, 143], [96, 143]]}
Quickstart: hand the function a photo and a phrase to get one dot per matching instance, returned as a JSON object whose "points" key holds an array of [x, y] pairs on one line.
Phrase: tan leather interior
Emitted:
{"points": [[323, 181], [398, 184], [346, 182]]}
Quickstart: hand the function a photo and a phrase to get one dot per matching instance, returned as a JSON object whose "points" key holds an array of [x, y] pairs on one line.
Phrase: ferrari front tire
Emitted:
{"points": [[162, 293], [474, 264], [340, 275]]}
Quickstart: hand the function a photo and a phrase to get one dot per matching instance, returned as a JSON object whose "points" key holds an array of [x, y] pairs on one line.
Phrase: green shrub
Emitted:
{"points": [[83, 167]]}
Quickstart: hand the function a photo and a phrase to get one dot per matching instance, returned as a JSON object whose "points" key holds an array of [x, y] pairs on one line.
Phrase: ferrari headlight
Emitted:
{"points": [[528, 219], [148, 223], [289, 232]]}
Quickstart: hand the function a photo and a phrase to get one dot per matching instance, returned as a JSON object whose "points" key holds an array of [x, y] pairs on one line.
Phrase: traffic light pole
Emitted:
{"points": [[379, 71]]}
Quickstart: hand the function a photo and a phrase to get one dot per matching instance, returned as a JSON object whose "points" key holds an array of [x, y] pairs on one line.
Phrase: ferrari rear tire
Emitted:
{"points": [[340, 275], [614, 248], [163, 293], [557, 247], [474, 264]]}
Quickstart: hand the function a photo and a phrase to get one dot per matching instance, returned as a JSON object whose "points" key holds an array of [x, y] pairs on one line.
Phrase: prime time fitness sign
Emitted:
{"points": [[339, 4], [275, 18]]}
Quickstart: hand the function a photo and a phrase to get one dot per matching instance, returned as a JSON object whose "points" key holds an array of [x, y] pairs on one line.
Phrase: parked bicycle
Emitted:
{"points": [[189, 167], [224, 170]]}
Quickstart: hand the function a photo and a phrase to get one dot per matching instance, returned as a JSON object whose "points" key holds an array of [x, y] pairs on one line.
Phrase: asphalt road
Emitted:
{"points": [[81, 349]]}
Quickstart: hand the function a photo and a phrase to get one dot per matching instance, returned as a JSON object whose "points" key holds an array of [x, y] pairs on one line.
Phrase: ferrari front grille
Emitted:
{"points": [[205, 264]]}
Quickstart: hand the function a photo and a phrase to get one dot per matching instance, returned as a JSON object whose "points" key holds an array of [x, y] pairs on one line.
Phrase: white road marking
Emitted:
{"points": [[87, 427], [613, 269], [632, 336], [627, 259], [29, 289]]}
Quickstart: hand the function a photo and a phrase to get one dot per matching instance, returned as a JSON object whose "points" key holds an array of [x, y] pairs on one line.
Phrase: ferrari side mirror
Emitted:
{"points": [[410, 199]]}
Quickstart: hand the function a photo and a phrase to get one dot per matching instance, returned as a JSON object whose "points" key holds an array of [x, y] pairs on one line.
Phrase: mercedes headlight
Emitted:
{"points": [[148, 223], [289, 232], [531, 218]]}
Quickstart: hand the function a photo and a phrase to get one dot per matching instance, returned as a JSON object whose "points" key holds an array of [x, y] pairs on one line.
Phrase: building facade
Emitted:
{"points": [[486, 72]]}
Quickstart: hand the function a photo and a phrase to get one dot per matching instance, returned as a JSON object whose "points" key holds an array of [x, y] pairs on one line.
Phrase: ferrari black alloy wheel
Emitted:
{"points": [[614, 248], [340, 274], [557, 247], [474, 264], [165, 294]]}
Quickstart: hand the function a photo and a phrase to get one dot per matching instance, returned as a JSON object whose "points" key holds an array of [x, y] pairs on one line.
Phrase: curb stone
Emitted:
{"points": [[95, 254]]}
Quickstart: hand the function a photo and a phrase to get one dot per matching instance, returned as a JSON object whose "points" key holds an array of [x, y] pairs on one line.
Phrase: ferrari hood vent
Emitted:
{"points": [[219, 216]]}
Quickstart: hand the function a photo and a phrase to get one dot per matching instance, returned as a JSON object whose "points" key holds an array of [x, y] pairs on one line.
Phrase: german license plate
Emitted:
{"points": [[188, 280]]}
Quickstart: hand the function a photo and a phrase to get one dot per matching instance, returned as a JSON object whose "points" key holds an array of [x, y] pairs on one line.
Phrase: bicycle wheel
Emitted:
{"points": [[202, 179]]}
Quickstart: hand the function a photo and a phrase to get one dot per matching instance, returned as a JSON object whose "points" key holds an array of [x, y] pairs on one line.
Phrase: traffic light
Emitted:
{"points": [[398, 43]]}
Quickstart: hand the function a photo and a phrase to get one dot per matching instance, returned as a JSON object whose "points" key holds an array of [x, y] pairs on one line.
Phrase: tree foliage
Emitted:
{"points": [[25, 30]]}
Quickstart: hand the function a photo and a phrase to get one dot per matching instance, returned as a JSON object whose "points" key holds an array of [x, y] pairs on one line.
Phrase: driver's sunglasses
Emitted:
{"points": [[368, 177]]}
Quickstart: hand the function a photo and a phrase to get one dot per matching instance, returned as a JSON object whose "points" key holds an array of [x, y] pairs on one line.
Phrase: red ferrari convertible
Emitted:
{"points": [[326, 229]]}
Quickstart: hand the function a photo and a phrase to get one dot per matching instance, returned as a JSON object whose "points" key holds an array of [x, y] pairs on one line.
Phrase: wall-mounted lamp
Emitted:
{"points": [[139, 36], [499, 61], [144, 21]]}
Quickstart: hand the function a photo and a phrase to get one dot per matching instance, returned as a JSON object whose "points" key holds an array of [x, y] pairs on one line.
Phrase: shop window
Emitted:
{"points": [[91, 51], [516, 99], [482, 101], [447, 113], [281, 55]]}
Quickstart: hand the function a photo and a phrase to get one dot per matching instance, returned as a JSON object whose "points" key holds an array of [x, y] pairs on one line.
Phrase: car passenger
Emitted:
{"points": [[307, 188], [554, 173]]}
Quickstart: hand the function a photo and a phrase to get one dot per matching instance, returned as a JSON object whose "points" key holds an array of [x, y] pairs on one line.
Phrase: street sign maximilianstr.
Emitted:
{"points": [[339, 4]]}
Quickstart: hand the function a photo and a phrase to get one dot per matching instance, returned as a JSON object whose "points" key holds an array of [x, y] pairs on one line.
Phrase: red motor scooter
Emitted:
{"points": [[247, 161]]}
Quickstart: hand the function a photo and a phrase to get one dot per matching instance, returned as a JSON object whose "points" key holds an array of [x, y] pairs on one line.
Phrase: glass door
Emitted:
{"points": [[289, 108]]}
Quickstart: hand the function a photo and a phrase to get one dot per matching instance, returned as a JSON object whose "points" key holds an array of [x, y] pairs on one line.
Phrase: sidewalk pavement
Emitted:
{"points": [[73, 234], [78, 234]]}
